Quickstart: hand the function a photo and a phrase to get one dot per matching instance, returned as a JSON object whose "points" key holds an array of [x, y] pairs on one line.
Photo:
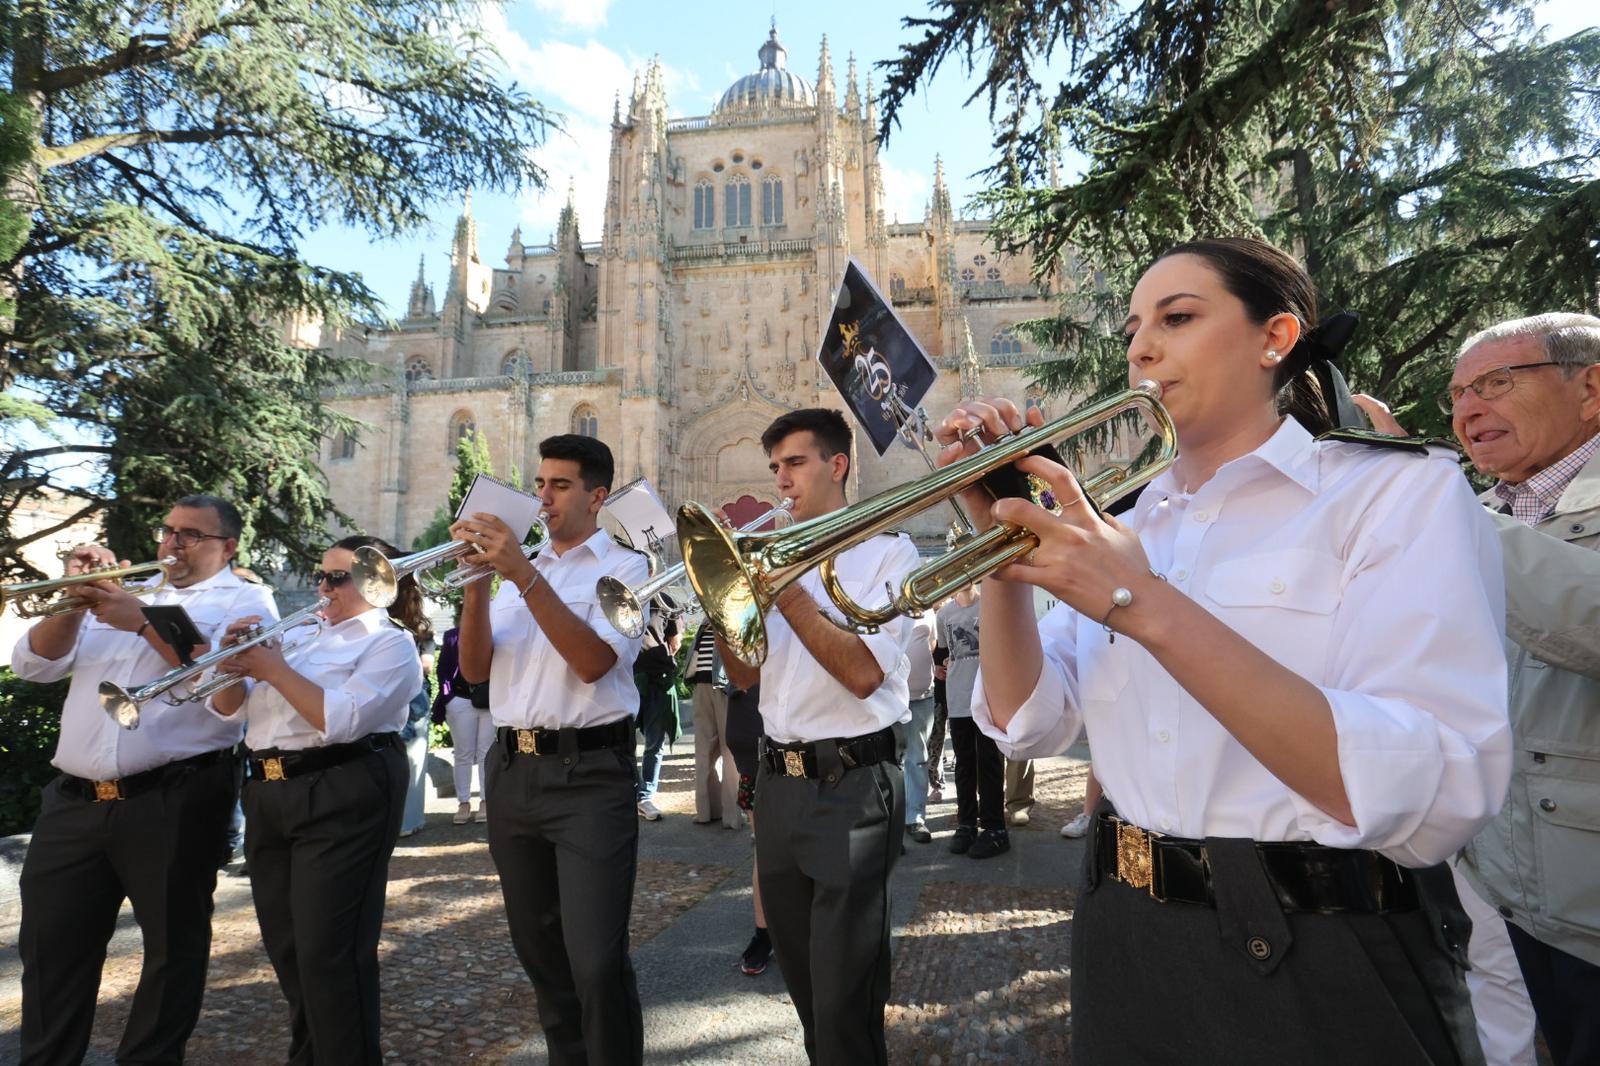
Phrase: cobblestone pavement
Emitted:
{"points": [[980, 970]]}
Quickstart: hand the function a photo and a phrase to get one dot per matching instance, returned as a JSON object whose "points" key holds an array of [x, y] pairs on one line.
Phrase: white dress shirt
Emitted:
{"points": [[93, 746], [800, 701], [530, 684], [1369, 572], [368, 670]]}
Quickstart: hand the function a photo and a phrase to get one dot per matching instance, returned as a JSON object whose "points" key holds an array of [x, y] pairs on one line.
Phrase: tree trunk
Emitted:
{"points": [[21, 188], [1305, 195]]}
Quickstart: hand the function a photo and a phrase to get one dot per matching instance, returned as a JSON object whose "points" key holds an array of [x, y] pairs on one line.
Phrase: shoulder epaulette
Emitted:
{"points": [[1415, 445]]}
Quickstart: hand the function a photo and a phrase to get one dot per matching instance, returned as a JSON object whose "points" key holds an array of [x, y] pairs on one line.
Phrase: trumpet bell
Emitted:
{"points": [[375, 577], [119, 703], [622, 608], [723, 582]]}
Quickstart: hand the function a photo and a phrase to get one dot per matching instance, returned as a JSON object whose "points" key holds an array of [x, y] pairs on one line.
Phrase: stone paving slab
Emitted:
{"points": [[980, 970]]}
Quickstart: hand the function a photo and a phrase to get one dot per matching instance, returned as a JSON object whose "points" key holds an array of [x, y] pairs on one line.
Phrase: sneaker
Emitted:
{"points": [[1078, 827], [964, 836], [1019, 818], [990, 842], [649, 811], [756, 956], [918, 831], [483, 812], [463, 814]]}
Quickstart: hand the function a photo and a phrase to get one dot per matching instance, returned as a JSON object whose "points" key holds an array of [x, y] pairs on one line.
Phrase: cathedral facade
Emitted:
{"points": [[693, 321]]}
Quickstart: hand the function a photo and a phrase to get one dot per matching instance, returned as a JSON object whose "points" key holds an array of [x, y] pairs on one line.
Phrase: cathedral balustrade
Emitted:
{"points": [[999, 290], [996, 362], [598, 376], [746, 250]]}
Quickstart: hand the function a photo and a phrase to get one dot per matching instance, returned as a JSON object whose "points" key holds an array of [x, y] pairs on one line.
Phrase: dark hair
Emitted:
{"points": [[595, 464], [826, 426], [227, 514], [407, 606], [1271, 282]]}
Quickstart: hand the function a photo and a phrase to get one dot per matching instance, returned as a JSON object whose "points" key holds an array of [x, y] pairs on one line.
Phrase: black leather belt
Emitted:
{"points": [[800, 760], [1305, 877], [145, 781], [271, 764], [547, 741]]}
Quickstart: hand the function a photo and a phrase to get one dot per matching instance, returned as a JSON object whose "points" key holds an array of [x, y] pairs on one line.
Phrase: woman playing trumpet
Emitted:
{"points": [[323, 801], [1307, 696]]}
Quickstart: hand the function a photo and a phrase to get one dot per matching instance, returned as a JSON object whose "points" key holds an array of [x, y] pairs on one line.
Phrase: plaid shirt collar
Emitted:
{"points": [[1533, 500]]}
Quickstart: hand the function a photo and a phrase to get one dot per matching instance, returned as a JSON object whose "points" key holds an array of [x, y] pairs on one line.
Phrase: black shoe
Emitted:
{"points": [[918, 831], [990, 842], [757, 955], [965, 835]]}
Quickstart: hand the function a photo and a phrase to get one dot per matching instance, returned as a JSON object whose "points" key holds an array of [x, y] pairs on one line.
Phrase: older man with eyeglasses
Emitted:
{"points": [[1524, 400], [137, 815]]}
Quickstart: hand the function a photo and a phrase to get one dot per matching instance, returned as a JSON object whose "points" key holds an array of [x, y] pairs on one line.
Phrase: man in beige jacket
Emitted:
{"points": [[1524, 401]]}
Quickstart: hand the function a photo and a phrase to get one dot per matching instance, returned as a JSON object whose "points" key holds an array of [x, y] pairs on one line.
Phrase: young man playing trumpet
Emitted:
{"points": [[829, 784], [139, 815], [562, 829]]}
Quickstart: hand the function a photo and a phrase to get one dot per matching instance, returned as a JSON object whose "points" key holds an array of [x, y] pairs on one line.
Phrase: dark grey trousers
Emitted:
{"points": [[318, 847], [1157, 983], [824, 851], [160, 849], [564, 834]]}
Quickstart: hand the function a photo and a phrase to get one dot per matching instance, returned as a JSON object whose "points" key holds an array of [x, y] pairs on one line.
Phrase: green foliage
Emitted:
{"points": [[30, 722], [472, 459], [174, 158], [1434, 165]]}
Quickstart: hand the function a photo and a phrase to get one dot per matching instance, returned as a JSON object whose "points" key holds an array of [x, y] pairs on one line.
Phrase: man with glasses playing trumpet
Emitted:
{"points": [[562, 829], [139, 815]]}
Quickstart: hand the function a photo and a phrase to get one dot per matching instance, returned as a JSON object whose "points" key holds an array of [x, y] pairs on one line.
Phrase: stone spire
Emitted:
{"points": [[421, 303], [464, 247], [872, 109], [940, 210], [971, 368], [852, 98], [825, 90], [568, 224]]}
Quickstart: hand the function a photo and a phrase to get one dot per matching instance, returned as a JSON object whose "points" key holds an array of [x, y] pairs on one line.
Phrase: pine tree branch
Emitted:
{"points": [[148, 49], [51, 157]]}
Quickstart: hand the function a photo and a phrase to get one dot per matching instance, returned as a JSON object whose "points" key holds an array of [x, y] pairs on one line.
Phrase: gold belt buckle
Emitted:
{"points": [[1133, 856], [107, 790], [794, 764], [273, 769], [527, 742]]}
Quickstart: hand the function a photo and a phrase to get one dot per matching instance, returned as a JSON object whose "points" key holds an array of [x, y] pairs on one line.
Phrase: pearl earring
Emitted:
{"points": [[1273, 357]]}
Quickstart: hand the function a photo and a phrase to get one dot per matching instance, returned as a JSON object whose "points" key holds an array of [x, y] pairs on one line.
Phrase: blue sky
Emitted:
{"points": [[575, 55]]}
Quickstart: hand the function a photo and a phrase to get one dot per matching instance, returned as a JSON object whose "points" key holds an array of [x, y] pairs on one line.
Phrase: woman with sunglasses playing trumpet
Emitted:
{"points": [[1287, 656], [323, 800]]}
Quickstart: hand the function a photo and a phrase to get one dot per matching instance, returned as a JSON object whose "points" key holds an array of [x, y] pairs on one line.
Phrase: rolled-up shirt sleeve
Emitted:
{"points": [[31, 666], [1417, 677], [386, 676], [1050, 719], [890, 643]]}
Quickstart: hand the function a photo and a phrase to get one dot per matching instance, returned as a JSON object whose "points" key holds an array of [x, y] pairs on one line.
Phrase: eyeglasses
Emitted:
{"points": [[1488, 385], [185, 538], [332, 578]]}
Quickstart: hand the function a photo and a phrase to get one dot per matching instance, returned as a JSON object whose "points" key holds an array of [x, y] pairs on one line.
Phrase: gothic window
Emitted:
{"points": [[980, 260], [992, 274], [462, 426], [1005, 342], [736, 201], [419, 370], [585, 422], [772, 202], [515, 365], [967, 276], [705, 201], [343, 447], [897, 285]]}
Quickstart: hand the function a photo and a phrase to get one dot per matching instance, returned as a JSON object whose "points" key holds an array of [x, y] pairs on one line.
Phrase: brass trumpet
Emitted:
{"points": [[737, 575], [124, 706], [33, 599], [466, 573], [624, 606]]}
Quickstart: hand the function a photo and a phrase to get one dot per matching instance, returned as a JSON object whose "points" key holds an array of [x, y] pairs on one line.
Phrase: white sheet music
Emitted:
{"points": [[490, 495], [638, 514]]}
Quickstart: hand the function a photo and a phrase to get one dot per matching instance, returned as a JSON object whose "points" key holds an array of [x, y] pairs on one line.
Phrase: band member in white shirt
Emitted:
{"points": [[323, 799], [829, 784], [1288, 659], [562, 828], [139, 815]]}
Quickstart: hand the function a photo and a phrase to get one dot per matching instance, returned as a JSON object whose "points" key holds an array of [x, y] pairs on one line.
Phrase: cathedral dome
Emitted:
{"points": [[772, 86]]}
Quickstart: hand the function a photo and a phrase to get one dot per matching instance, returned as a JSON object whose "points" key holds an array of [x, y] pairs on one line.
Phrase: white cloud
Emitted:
{"points": [[587, 15], [905, 192]]}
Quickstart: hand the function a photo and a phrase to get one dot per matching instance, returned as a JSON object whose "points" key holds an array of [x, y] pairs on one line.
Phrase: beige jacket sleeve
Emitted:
{"points": [[1552, 597]]}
